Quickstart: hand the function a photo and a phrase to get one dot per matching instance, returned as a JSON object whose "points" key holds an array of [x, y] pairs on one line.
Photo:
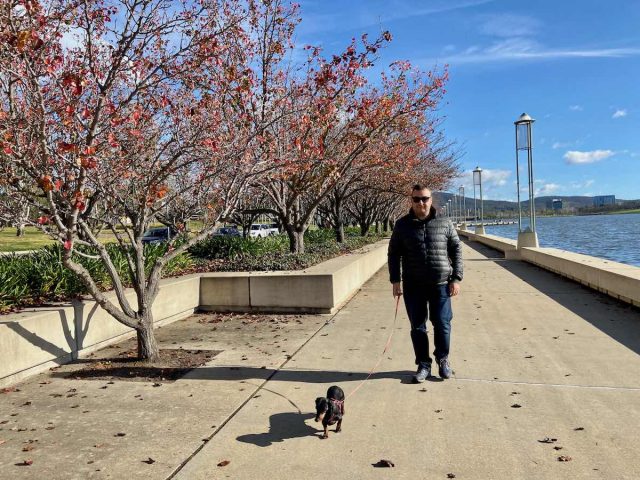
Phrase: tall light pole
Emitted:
{"points": [[464, 208], [475, 203], [526, 237], [477, 180]]}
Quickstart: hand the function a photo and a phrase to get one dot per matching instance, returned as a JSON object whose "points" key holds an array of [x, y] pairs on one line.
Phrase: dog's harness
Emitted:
{"points": [[336, 410]]}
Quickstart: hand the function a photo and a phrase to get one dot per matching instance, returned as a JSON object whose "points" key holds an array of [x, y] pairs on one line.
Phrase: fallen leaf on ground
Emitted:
{"points": [[564, 458], [577, 429], [27, 448], [557, 448], [548, 440], [451, 475], [516, 405], [224, 463], [120, 434], [2, 441], [149, 461], [25, 463], [384, 463]]}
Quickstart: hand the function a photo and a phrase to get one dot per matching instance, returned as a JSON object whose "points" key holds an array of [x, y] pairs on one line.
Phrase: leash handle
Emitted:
{"points": [[386, 347]]}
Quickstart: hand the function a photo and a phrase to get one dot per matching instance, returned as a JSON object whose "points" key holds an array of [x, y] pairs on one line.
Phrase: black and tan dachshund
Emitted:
{"points": [[330, 409]]}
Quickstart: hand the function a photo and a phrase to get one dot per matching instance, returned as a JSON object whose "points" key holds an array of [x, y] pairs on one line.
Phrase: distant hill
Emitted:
{"points": [[506, 208]]}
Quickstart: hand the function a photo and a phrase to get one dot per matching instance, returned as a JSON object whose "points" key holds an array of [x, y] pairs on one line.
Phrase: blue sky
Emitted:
{"points": [[572, 65]]}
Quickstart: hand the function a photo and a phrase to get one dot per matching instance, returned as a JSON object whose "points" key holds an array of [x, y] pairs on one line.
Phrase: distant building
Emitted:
{"points": [[556, 204], [602, 200]]}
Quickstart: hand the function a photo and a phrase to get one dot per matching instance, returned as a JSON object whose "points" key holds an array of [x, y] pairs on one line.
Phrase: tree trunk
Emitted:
{"points": [[364, 228], [339, 229], [296, 241], [20, 230], [147, 345]]}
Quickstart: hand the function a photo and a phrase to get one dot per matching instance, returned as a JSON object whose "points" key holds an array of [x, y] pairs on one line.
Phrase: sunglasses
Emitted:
{"points": [[420, 199]]}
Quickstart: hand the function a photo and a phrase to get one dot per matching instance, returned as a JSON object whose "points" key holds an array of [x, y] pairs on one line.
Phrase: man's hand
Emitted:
{"points": [[397, 289], [454, 289]]}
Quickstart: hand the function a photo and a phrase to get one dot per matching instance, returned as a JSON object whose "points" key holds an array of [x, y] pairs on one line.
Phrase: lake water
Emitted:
{"points": [[614, 237]]}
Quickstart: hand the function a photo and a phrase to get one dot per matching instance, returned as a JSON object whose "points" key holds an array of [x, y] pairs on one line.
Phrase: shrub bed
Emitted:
{"points": [[40, 277]]}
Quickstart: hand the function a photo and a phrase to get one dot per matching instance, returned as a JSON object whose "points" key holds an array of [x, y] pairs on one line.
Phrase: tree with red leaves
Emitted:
{"points": [[337, 118], [117, 113]]}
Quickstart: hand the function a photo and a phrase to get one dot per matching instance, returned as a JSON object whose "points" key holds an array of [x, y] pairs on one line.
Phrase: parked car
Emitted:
{"points": [[226, 232], [273, 229], [158, 235], [259, 230]]}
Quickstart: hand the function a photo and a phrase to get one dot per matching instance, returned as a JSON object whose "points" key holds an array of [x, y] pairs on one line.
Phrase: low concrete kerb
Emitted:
{"points": [[37, 339]]}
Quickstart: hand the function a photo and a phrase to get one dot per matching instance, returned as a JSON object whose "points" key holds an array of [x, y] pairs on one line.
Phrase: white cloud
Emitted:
{"points": [[547, 189], [576, 108], [619, 113], [523, 49], [573, 157], [580, 185], [557, 145], [509, 25], [366, 15], [490, 179]]}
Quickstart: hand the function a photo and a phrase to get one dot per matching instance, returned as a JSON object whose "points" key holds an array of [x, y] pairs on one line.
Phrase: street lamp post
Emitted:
{"points": [[464, 208], [526, 237], [477, 180], [475, 203]]}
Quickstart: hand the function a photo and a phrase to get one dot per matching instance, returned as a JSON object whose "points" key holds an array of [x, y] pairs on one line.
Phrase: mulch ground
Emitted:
{"points": [[173, 364], [119, 361]]}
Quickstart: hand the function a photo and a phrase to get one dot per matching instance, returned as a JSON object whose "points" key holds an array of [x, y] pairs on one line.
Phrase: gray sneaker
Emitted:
{"points": [[444, 369], [422, 374]]}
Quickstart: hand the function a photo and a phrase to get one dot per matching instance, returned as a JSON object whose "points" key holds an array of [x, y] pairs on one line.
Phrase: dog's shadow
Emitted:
{"points": [[282, 426]]}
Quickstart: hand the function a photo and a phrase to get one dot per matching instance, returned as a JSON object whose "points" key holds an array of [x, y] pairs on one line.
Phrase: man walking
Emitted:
{"points": [[428, 248]]}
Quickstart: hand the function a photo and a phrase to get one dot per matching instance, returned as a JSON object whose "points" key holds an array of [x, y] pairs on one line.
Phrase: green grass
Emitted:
{"points": [[34, 239], [31, 240], [637, 210]]}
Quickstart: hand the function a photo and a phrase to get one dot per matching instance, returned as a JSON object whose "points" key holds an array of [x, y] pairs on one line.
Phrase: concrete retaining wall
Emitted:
{"points": [[35, 340], [616, 279], [322, 288]]}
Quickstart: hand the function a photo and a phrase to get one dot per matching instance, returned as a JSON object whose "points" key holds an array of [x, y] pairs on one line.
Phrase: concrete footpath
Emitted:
{"points": [[545, 370]]}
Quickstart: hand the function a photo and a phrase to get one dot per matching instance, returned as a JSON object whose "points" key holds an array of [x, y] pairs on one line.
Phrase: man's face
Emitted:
{"points": [[421, 202]]}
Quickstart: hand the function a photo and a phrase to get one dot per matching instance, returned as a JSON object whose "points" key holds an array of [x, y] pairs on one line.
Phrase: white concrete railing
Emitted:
{"points": [[37, 339], [615, 279]]}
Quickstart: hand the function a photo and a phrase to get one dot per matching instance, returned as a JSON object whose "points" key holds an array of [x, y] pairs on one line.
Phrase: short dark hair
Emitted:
{"points": [[419, 186]]}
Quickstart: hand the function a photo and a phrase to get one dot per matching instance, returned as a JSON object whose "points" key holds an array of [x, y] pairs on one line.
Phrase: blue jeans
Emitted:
{"points": [[428, 302]]}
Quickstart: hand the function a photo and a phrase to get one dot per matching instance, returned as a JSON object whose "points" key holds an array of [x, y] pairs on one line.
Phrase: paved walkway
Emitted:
{"points": [[536, 357]]}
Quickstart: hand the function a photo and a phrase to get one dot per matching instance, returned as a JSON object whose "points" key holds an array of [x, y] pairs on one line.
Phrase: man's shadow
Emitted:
{"points": [[282, 426]]}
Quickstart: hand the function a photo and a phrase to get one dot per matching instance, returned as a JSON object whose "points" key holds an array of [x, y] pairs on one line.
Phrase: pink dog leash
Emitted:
{"points": [[386, 347]]}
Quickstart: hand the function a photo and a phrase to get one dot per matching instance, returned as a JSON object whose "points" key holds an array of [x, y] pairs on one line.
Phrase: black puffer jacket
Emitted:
{"points": [[430, 250]]}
